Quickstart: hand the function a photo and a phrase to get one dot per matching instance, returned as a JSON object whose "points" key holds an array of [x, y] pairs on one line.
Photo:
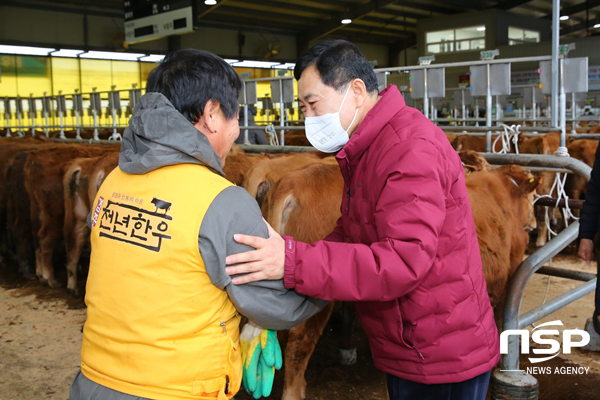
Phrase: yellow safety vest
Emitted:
{"points": [[157, 327]]}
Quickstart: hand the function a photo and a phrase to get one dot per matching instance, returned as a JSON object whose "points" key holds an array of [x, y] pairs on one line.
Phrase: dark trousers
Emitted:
{"points": [[597, 298], [472, 389]]}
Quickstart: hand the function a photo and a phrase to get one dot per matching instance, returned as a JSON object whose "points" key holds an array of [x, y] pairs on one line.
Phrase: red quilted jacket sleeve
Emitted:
{"points": [[409, 217]]}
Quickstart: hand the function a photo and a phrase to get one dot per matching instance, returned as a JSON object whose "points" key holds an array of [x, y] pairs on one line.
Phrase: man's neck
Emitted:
{"points": [[367, 106]]}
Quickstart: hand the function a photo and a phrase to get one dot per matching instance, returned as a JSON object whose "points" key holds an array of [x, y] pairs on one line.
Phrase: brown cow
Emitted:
{"points": [[238, 165], [543, 145], [235, 150], [15, 227], [305, 204], [80, 185], [594, 129], [266, 172], [502, 203], [468, 142], [44, 172], [583, 150], [292, 138], [478, 143], [473, 161]]}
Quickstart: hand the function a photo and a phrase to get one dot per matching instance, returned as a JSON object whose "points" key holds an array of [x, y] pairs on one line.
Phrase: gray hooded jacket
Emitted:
{"points": [[157, 136]]}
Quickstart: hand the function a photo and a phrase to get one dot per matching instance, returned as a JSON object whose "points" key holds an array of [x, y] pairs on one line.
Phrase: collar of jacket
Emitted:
{"points": [[390, 103], [158, 136]]}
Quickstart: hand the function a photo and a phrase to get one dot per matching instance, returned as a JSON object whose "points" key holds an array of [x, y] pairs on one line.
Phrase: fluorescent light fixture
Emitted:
{"points": [[109, 55], [210, 2], [255, 64], [564, 17], [230, 61], [481, 28], [153, 58], [346, 21], [67, 53], [285, 66], [597, 26], [25, 50]]}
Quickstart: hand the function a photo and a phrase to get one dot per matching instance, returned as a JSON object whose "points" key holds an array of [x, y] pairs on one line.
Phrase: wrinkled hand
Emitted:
{"points": [[264, 263], [261, 356], [586, 250]]}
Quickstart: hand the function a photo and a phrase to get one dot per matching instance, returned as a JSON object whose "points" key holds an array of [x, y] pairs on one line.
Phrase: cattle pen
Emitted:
{"points": [[493, 116]]}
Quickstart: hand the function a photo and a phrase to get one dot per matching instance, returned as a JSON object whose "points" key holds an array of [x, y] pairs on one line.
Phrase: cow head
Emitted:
{"points": [[473, 161], [522, 185]]}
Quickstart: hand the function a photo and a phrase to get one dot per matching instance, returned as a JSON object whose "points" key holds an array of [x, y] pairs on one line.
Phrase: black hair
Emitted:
{"points": [[190, 78], [338, 63]]}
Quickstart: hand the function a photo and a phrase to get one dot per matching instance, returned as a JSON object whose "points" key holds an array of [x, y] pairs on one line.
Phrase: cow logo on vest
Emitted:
{"points": [[549, 353], [134, 225]]}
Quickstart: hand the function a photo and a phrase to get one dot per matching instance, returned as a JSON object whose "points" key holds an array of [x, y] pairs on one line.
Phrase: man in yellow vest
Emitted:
{"points": [[163, 316]]}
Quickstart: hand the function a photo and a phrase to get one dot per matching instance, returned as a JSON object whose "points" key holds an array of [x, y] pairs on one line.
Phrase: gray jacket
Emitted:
{"points": [[157, 136]]}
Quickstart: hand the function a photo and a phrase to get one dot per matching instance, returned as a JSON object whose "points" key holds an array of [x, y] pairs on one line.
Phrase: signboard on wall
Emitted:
{"points": [[154, 19]]}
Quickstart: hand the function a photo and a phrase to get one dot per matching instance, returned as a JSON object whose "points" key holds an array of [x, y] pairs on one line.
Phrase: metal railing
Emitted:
{"points": [[509, 374]]}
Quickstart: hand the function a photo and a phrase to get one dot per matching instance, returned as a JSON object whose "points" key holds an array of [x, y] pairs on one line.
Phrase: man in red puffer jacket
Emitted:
{"points": [[405, 248]]}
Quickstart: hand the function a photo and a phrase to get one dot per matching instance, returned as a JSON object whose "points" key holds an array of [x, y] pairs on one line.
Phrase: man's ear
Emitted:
{"points": [[359, 90], [209, 116]]}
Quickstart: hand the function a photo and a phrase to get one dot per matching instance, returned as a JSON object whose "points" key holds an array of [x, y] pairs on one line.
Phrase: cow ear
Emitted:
{"points": [[469, 169], [531, 184]]}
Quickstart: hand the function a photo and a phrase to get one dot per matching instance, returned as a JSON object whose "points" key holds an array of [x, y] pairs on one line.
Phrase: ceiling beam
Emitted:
{"points": [[241, 24], [466, 4], [66, 9], [509, 4], [385, 24], [205, 10], [283, 7], [385, 34], [394, 14], [267, 16], [228, 21], [353, 13], [363, 38], [438, 8], [576, 8], [565, 30]]}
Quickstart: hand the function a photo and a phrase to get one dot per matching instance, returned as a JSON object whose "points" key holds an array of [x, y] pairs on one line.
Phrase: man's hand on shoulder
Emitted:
{"points": [[264, 263]]}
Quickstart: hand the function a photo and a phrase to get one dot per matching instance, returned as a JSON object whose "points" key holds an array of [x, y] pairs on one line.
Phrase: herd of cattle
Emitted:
{"points": [[48, 189]]}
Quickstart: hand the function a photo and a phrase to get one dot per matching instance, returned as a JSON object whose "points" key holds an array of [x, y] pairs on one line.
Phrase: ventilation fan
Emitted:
{"points": [[270, 50]]}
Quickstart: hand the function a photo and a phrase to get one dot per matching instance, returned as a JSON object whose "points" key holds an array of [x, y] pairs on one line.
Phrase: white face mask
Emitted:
{"points": [[325, 132]]}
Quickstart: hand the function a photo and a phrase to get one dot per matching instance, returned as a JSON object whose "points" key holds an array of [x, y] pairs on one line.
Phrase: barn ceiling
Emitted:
{"points": [[391, 22]]}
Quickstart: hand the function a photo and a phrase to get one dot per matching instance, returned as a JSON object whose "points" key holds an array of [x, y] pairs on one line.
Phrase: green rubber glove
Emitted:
{"points": [[261, 356]]}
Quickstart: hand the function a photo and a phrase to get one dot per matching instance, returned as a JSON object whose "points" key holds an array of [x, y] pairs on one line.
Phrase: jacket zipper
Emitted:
{"points": [[224, 324], [348, 202], [348, 191], [417, 350]]}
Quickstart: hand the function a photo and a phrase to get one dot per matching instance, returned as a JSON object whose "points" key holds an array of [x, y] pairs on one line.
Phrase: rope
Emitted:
{"points": [[115, 136], [273, 139], [510, 134], [560, 181], [559, 184]]}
